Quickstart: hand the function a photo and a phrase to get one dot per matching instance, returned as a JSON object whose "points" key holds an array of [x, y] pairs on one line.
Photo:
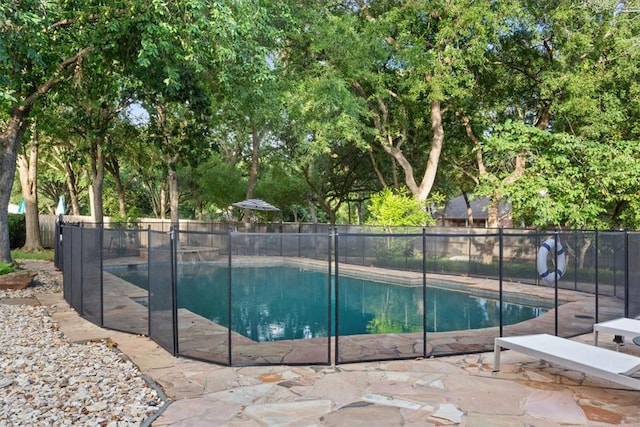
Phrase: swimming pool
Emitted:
{"points": [[283, 303]]}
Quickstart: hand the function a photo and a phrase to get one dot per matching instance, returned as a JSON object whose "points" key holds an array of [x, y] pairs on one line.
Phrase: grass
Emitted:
{"points": [[45, 255]]}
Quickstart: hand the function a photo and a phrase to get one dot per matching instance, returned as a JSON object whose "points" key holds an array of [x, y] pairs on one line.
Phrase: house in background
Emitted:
{"points": [[457, 214]]}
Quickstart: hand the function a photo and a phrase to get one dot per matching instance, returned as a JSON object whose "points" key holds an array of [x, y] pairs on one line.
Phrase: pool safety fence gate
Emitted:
{"points": [[148, 282]]}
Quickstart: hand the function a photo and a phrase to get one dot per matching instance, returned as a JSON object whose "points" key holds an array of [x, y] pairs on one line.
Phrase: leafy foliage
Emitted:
{"points": [[539, 104], [397, 209], [569, 181], [7, 267], [17, 230]]}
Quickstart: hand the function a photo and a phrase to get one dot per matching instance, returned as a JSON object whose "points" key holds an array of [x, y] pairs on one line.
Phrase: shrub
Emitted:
{"points": [[388, 208], [6, 268], [17, 231]]}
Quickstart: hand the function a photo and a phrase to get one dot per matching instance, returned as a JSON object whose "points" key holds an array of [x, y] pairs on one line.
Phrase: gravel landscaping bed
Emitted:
{"points": [[45, 380]]}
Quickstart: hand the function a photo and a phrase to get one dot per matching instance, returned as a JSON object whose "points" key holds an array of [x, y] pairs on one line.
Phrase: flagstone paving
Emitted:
{"points": [[457, 390]]}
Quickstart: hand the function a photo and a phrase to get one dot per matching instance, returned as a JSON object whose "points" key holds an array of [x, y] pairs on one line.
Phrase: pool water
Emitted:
{"points": [[278, 303]]}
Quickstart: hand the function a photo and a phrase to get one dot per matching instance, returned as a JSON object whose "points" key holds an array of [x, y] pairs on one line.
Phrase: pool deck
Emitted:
{"points": [[454, 390]]}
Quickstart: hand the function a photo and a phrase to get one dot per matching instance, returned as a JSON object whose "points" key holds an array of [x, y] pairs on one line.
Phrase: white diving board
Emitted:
{"points": [[600, 362]]}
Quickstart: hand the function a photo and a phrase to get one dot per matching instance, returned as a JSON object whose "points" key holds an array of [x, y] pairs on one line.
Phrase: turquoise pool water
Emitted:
{"points": [[277, 303]]}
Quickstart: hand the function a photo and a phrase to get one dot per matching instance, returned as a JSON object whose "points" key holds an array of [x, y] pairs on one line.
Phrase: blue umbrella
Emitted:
{"points": [[62, 207], [21, 207]]}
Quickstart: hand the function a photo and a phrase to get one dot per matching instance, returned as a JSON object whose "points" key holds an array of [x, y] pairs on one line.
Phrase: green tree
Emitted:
{"points": [[403, 65], [570, 182], [208, 50], [562, 79], [388, 208], [221, 182], [36, 54]]}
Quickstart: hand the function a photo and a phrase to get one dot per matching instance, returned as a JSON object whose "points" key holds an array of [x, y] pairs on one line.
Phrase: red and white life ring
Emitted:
{"points": [[549, 276]]}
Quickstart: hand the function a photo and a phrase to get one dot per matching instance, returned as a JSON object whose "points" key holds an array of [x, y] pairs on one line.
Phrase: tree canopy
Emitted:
{"points": [[154, 108]]}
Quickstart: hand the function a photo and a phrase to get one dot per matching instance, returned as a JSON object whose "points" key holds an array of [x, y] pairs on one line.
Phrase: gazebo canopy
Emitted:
{"points": [[256, 204]]}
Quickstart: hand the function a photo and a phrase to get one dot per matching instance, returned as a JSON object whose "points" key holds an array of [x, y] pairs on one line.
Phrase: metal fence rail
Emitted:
{"points": [[323, 299]]}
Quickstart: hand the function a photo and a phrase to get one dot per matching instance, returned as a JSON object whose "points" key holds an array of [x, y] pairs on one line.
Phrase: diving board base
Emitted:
{"points": [[596, 361]]}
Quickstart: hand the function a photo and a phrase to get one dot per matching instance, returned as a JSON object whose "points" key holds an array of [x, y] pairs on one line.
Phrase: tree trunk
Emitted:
{"points": [[163, 202], [422, 191], [92, 196], [72, 187], [28, 169], [9, 143], [97, 177], [173, 189], [10, 139], [328, 209], [493, 216], [312, 212], [71, 181], [582, 255], [467, 202], [253, 173], [487, 248], [361, 211], [113, 166], [437, 141], [387, 140], [376, 169]]}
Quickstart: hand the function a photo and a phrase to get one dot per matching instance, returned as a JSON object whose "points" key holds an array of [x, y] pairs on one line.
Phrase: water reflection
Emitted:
{"points": [[277, 303]]}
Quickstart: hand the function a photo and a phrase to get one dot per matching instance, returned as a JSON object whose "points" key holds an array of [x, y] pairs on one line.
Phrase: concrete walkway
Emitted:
{"points": [[460, 390]]}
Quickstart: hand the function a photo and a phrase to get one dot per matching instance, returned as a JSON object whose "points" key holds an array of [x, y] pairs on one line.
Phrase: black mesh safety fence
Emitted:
{"points": [[161, 295], [58, 253], [295, 245], [462, 306], [379, 297], [91, 281], [256, 298], [76, 268], [632, 296], [202, 295], [279, 299], [125, 281], [611, 256], [66, 248], [123, 242]]}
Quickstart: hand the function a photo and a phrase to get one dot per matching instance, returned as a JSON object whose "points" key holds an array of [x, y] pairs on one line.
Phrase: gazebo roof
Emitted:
{"points": [[255, 204]]}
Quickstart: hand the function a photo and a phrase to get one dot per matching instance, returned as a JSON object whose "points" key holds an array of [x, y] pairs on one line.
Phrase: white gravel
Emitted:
{"points": [[47, 381]]}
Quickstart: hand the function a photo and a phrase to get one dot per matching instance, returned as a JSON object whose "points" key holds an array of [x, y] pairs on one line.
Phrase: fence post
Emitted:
{"points": [[174, 286], [595, 264], [469, 234], [149, 267], [626, 273], [556, 273], [57, 243], [229, 277], [81, 287], [500, 274], [330, 243], [424, 292], [575, 259], [101, 243], [336, 296]]}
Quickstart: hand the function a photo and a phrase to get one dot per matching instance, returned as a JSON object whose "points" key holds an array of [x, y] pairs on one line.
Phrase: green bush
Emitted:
{"points": [[6, 268], [17, 230]]}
